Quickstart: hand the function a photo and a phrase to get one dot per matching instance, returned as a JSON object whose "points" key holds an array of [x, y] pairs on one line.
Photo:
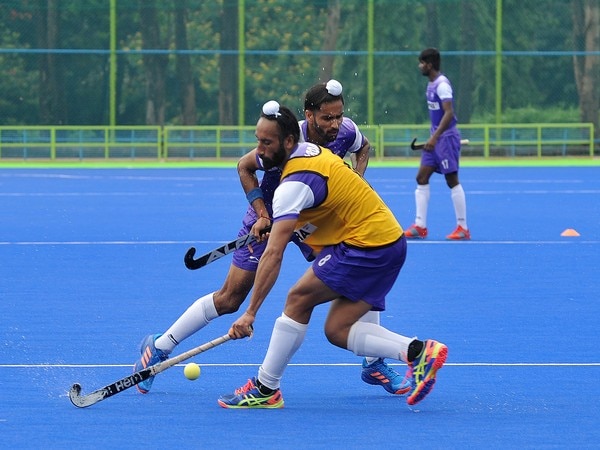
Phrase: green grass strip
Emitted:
{"points": [[412, 162]]}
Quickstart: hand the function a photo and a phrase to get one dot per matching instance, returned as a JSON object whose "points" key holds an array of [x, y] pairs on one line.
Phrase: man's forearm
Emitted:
{"points": [[361, 159], [266, 276]]}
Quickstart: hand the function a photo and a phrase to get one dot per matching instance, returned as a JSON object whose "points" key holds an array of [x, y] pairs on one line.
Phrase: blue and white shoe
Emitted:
{"points": [[379, 373], [150, 355]]}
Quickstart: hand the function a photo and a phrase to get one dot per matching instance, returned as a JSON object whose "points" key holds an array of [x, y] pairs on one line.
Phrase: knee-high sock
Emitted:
{"points": [[371, 317], [196, 317], [287, 337], [368, 339], [457, 194], [422, 194]]}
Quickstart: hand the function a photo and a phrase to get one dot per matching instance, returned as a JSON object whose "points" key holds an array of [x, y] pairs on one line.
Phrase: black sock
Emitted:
{"points": [[414, 349], [264, 390]]}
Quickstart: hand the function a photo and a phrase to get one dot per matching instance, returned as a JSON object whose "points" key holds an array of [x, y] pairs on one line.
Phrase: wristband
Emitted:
{"points": [[254, 194]]}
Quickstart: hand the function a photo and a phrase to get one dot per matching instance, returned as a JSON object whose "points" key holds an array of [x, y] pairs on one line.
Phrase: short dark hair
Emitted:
{"points": [[287, 121], [317, 95], [431, 56]]}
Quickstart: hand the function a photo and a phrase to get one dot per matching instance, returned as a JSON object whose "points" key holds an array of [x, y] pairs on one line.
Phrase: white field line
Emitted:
{"points": [[565, 241], [465, 364]]}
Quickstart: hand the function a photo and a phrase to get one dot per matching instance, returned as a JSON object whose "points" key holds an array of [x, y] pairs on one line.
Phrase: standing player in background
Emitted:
{"points": [[324, 125], [361, 249], [441, 152]]}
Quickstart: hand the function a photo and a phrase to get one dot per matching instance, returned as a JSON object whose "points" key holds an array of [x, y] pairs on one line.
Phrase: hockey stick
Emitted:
{"points": [[219, 252], [83, 401], [230, 247], [414, 146]]}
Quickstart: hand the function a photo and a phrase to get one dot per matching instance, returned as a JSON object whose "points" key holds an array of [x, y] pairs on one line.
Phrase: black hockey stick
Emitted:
{"points": [[414, 146], [230, 247], [83, 401], [219, 252]]}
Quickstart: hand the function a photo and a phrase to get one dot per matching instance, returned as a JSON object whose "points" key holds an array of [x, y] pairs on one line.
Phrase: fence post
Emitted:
{"points": [[52, 143]]}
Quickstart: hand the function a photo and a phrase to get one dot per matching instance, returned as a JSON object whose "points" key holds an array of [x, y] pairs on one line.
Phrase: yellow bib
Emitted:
{"points": [[352, 211]]}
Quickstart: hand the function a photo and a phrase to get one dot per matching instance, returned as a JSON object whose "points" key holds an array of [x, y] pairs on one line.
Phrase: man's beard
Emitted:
{"points": [[277, 159], [322, 134]]}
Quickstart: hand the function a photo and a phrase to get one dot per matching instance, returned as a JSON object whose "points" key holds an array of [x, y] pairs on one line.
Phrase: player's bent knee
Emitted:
{"points": [[228, 303], [298, 309], [337, 337]]}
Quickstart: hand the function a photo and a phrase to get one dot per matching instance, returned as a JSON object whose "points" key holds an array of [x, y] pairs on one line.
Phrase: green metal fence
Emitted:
{"points": [[503, 140], [85, 142], [390, 142]]}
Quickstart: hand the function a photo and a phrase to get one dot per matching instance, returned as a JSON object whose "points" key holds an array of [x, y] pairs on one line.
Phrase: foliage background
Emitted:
{"points": [[54, 58]]}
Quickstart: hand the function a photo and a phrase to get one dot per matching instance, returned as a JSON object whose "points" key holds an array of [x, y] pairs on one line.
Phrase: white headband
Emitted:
{"points": [[334, 87], [271, 108]]}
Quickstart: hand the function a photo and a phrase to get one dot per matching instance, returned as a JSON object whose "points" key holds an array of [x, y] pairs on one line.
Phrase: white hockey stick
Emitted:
{"points": [[83, 401]]}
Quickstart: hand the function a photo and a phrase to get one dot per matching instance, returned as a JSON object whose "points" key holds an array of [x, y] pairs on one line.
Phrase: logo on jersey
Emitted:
{"points": [[324, 260], [312, 150], [305, 231]]}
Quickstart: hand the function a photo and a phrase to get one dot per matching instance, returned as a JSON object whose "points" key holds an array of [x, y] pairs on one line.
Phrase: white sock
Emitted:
{"points": [[460, 205], [287, 337], [368, 339], [196, 317], [422, 194], [371, 317]]}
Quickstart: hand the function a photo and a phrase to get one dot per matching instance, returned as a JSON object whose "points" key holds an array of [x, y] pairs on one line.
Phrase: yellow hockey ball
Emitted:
{"points": [[191, 371]]}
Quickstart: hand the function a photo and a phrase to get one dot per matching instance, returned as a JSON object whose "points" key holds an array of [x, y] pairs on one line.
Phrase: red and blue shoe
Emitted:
{"points": [[249, 396], [459, 234], [379, 373], [423, 370], [415, 232], [150, 355]]}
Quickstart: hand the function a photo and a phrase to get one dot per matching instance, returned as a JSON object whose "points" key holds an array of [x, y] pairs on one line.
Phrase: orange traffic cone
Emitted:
{"points": [[570, 232]]}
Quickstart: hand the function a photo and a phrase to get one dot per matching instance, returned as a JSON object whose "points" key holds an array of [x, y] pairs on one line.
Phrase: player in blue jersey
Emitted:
{"points": [[441, 152], [324, 125], [360, 249]]}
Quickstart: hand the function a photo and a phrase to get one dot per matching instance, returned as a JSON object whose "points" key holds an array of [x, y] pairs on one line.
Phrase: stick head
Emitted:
{"points": [[75, 390], [414, 146], [188, 259], [74, 395]]}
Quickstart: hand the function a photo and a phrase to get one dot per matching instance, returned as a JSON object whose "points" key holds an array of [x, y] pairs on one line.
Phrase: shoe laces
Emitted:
{"points": [[387, 371], [245, 388], [161, 354], [460, 231]]}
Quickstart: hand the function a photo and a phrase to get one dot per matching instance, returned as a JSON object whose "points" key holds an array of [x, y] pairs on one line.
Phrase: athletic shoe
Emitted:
{"points": [[423, 369], [379, 373], [415, 232], [248, 396], [150, 356], [460, 234]]}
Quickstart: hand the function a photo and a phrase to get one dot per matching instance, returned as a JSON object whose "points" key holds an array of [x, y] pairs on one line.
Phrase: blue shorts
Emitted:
{"points": [[446, 154], [243, 259], [361, 274]]}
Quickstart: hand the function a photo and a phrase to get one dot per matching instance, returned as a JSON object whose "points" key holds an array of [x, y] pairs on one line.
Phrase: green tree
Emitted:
{"points": [[185, 79], [171, 67], [586, 31]]}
